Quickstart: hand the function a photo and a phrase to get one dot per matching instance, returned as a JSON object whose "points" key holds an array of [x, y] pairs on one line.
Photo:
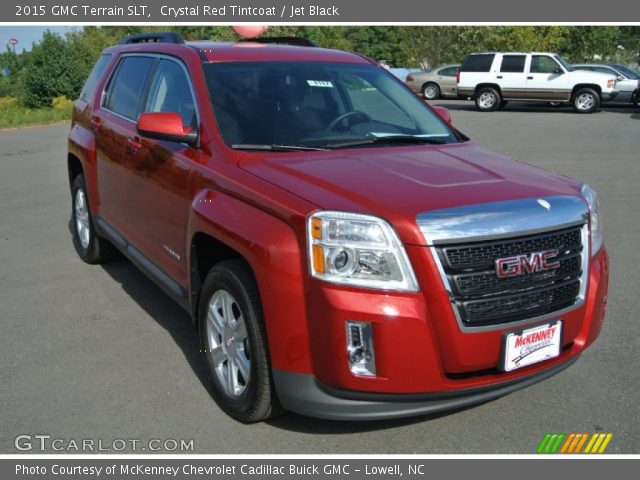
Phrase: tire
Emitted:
{"points": [[636, 98], [234, 343], [488, 99], [585, 100], [431, 91], [90, 247]]}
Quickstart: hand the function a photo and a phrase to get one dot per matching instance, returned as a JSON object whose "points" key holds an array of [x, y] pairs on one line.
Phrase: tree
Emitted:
{"points": [[50, 73]]}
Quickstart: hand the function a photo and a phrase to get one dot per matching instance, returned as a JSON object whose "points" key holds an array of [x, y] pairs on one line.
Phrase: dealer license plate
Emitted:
{"points": [[530, 346]]}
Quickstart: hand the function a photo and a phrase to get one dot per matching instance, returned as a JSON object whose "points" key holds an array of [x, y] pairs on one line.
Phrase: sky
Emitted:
{"points": [[26, 36]]}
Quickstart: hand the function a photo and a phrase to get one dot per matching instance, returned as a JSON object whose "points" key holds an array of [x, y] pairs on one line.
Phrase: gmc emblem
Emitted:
{"points": [[521, 264]]}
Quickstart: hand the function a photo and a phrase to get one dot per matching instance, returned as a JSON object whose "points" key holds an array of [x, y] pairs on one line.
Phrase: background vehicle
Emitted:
{"points": [[493, 79], [403, 73], [343, 251], [627, 80], [441, 81]]}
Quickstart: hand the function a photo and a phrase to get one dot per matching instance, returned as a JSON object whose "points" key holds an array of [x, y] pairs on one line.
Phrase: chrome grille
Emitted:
{"points": [[481, 298]]}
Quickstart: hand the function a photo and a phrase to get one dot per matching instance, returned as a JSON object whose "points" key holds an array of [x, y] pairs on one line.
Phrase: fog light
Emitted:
{"points": [[360, 351]]}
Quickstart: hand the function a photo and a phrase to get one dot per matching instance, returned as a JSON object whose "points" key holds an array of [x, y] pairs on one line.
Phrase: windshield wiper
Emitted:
{"points": [[274, 147], [387, 140]]}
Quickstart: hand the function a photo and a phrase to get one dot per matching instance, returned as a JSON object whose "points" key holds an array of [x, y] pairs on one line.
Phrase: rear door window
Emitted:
{"points": [[478, 63], [513, 63], [126, 88], [448, 72]]}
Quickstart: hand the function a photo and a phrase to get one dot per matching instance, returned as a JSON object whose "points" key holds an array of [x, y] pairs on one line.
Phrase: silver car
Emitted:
{"points": [[436, 83], [628, 81]]}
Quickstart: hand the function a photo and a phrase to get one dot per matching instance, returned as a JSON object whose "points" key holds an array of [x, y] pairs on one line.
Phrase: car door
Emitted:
{"points": [[447, 80], [157, 194], [511, 76], [114, 123], [547, 80]]}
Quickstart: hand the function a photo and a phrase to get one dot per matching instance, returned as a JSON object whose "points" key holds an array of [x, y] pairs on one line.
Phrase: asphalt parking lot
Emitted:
{"points": [[98, 352]]}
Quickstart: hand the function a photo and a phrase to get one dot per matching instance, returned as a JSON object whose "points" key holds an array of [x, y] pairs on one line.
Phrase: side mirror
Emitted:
{"points": [[166, 126], [620, 78], [558, 71], [443, 113]]}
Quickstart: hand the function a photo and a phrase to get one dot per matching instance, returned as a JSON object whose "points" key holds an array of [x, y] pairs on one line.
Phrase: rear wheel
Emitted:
{"points": [[585, 100], [234, 343], [88, 244], [488, 99], [431, 91]]}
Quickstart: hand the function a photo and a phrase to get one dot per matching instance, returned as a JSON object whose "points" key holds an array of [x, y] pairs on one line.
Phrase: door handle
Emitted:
{"points": [[134, 144], [95, 121], [499, 76], [529, 78]]}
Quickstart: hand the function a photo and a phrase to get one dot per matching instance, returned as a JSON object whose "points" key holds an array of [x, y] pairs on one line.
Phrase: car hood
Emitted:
{"points": [[588, 75], [397, 183]]}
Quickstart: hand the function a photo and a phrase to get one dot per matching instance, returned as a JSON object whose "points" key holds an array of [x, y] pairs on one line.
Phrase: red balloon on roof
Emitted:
{"points": [[250, 31]]}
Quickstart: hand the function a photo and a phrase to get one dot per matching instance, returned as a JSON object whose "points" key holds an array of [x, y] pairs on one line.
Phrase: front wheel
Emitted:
{"points": [[586, 100], [636, 98], [488, 99], [234, 344]]}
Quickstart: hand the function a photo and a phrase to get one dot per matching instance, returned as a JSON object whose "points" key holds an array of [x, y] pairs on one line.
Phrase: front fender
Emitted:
{"points": [[271, 247]]}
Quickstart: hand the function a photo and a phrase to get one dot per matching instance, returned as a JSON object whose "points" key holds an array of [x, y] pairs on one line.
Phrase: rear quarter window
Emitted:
{"points": [[478, 63], [94, 77]]}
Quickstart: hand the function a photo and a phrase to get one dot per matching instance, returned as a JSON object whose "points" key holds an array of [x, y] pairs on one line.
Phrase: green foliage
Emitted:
{"points": [[50, 73], [13, 114]]}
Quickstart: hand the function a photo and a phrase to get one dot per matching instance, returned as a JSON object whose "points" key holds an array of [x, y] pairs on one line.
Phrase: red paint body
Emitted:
{"points": [[155, 193]]}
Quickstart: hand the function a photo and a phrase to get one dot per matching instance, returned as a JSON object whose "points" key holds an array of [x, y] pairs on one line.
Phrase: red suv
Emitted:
{"points": [[343, 251]]}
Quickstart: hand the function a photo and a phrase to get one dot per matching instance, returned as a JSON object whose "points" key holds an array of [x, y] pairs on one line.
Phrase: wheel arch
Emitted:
{"points": [[223, 227], [592, 86], [430, 82], [480, 86], [74, 167]]}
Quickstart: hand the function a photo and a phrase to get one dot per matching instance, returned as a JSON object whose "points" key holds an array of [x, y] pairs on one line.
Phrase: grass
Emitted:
{"points": [[26, 117], [12, 114]]}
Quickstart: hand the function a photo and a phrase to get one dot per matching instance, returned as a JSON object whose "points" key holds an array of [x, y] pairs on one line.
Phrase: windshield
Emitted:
{"points": [[280, 105], [564, 63], [627, 72]]}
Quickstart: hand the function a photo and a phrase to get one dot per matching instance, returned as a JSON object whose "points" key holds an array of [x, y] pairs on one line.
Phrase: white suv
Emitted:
{"points": [[492, 79]]}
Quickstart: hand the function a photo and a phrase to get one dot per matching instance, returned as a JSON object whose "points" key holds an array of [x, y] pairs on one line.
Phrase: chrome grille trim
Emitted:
{"points": [[569, 212]]}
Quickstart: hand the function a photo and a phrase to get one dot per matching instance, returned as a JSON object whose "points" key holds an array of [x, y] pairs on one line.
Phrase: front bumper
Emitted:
{"points": [[303, 394]]}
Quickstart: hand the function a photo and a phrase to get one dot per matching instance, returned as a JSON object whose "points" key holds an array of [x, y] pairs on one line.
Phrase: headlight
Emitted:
{"points": [[358, 250], [591, 197]]}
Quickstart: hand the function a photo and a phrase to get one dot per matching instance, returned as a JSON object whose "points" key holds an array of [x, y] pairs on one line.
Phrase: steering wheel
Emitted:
{"points": [[353, 113]]}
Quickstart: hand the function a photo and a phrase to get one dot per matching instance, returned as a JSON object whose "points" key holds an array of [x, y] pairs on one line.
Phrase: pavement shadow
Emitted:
{"points": [[167, 313]]}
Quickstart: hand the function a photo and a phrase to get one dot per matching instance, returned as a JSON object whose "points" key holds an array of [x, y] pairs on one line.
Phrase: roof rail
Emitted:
{"points": [[296, 41], [155, 37]]}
